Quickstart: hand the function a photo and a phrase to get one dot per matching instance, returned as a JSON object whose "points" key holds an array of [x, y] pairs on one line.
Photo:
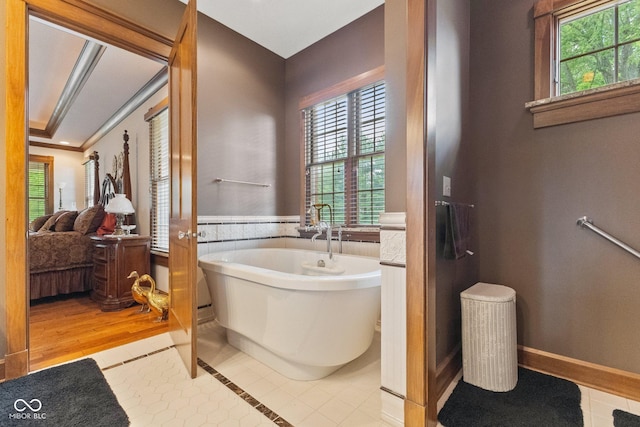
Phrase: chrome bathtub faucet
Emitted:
{"points": [[321, 226]]}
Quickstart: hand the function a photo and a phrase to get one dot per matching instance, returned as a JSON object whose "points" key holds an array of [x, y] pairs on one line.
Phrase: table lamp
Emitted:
{"points": [[120, 206]]}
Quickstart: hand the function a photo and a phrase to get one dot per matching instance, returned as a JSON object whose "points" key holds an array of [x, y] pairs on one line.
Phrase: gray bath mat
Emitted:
{"points": [[537, 400], [625, 419]]}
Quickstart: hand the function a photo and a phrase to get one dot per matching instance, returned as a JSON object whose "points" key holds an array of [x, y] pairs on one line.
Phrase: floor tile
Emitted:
{"points": [[352, 392], [154, 388]]}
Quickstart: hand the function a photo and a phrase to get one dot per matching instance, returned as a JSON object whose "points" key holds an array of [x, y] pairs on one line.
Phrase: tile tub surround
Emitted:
{"points": [[393, 311], [234, 228], [225, 233]]}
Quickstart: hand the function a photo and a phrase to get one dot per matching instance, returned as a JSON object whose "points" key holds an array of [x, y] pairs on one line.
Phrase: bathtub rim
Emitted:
{"points": [[298, 282]]}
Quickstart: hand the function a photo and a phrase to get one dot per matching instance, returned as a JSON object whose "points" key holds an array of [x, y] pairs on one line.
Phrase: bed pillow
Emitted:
{"points": [[89, 219], [51, 222], [65, 221], [37, 223], [108, 224]]}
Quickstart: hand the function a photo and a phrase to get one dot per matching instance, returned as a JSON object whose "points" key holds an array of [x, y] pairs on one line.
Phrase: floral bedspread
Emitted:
{"points": [[55, 251]]}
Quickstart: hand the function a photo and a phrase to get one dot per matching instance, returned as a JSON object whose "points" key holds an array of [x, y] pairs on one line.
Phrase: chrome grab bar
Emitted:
{"points": [[586, 222]]}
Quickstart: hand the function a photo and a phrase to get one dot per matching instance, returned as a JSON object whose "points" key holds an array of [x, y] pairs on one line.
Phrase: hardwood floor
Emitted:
{"points": [[63, 329]]}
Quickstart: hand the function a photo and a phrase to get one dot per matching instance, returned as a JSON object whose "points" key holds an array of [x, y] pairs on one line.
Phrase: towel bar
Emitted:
{"points": [[256, 184], [444, 203]]}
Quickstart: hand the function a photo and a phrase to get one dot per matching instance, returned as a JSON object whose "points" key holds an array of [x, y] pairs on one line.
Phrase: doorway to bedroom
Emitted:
{"points": [[79, 107]]}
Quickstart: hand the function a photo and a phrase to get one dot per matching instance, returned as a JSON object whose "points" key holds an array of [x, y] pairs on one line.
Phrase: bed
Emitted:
{"points": [[59, 244], [61, 252]]}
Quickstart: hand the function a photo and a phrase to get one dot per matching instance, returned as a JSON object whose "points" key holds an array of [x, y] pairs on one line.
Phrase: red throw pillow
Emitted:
{"points": [[108, 224]]}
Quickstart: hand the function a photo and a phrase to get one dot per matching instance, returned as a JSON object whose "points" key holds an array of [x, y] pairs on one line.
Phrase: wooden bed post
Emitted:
{"points": [[96, 177], [126, 174]]}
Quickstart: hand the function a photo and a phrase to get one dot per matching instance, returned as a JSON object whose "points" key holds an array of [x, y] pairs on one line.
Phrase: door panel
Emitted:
{"points": [[183, 249]]}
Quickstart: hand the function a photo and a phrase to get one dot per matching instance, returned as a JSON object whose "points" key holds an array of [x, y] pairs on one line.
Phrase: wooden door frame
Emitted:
{"points": [[80, 16], [420, 407]]}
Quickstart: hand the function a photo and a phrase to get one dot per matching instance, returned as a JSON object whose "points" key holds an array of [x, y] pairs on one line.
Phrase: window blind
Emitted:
{"points": [[89, 182], [160, 203], [369, 127], [37, 189], [344, 157]]}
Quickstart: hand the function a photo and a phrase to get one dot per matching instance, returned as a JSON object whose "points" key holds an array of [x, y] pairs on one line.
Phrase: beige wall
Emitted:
{"points": [[139, 163], [67, 168], [577, 294]]}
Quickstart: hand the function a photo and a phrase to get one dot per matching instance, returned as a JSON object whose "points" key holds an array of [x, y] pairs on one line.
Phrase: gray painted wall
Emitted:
{"points": [[395, 67], [240, 122], [577, 295], [454, 159]]}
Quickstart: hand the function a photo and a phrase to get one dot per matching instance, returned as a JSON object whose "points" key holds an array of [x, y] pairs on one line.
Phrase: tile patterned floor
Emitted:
{"points": [[155, 390], [348, 397]]}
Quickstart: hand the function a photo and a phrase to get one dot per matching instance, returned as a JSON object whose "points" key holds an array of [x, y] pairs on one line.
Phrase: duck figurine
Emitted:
{"points": [[138, 292], [158, 302]]}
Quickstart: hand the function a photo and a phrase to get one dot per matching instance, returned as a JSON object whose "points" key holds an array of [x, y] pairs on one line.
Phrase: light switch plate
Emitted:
{"points": [[446, 186]]}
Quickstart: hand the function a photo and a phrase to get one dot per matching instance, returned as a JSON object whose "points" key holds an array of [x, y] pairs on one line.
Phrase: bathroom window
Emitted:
{"points": [[158, 118], [598, 47], [344, 156], [587, 60]]}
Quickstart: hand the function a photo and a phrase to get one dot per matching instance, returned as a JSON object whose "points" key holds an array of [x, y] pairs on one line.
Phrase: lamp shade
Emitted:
{"points": [[119, 205]]}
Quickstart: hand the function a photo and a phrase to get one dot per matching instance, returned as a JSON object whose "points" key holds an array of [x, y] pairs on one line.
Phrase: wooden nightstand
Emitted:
{"points": [[113, 259]]}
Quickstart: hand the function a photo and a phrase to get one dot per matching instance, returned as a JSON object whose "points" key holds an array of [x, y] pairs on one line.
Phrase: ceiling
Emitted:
{"points": [[73, 107], [286, 27], [79, 89]]}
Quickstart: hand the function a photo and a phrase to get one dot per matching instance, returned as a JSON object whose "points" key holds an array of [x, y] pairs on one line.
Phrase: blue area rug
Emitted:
{"points": [[537, 400], [74, 394], [625, 419]]}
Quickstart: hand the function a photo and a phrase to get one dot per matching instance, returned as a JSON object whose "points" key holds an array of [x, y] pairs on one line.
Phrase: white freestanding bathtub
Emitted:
{"points": [[295, 310]]}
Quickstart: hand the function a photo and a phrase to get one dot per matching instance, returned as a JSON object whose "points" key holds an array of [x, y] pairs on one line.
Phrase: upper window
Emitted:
{"points": [[344, 157], [587, 60], [599, 47], [158, 118]]}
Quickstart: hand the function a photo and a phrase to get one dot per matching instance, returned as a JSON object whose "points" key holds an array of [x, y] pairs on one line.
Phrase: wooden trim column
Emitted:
{"points": [[16, 358], [421, 399]]}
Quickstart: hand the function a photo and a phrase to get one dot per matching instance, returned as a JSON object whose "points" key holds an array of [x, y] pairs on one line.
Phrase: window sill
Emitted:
{"points": [[607, 101], [160, 258], [362, 234]]}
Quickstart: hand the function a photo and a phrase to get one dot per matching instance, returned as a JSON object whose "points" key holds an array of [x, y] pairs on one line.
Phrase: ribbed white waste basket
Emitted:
{"points": [[489, 337]]}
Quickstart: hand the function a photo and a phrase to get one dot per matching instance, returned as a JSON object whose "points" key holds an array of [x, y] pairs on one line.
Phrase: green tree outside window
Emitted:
{"points": [[599, 48]]}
